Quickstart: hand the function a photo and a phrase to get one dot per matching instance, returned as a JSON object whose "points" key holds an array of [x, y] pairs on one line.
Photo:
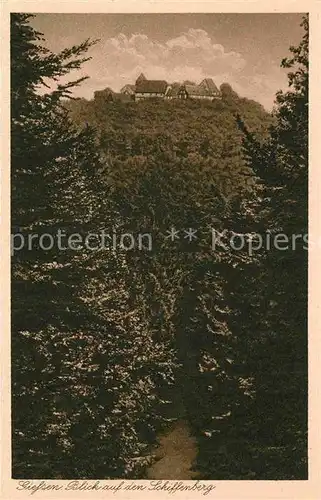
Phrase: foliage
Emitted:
{"points": [[111, 345], [85, 362], [278, 361]]}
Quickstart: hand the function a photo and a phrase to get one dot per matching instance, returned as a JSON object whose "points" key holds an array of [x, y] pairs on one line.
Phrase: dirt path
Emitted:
{"points": [[175, 454]]}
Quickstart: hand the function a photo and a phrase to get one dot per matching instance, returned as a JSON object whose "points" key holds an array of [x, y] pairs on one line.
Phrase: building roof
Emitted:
{"points": [[172, 92], [196, 90], [104, 93], [110, 95], [206, 88], [152, 86], [128, 86], [141, 78], [209, 85]]}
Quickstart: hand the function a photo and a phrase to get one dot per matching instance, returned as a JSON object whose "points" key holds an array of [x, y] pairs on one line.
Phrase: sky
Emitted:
{"points": [[244, 50]]}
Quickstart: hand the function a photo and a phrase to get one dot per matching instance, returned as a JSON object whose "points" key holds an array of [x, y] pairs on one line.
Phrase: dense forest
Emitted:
{"points": [[111, 346]]}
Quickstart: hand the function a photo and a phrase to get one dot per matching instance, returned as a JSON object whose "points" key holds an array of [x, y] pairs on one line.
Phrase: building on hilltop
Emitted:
{"points": [[128, 89], [172, 92], [108, 95], [104, 95], [206, 90], [140, 79], [210, 86], [146, 89]]}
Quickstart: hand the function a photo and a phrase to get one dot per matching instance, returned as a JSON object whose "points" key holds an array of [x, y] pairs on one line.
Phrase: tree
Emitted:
{"points": [[279, 358], [48, 159], [85, 363], [195, 178]]}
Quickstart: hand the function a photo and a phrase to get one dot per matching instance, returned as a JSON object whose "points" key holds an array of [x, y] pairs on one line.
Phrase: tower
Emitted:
{"points": [[141, 78]]}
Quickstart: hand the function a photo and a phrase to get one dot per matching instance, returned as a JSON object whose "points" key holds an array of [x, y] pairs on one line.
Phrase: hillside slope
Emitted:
{"points": [[201, 132]]}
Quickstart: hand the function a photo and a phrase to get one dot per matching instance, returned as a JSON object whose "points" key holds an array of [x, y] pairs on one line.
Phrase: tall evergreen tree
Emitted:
{"points": [[45, 153], [85, 364], [278, 361]]}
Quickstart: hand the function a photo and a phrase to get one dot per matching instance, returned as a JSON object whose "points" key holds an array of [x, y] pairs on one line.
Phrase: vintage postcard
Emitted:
{"points": [[161, 243]]}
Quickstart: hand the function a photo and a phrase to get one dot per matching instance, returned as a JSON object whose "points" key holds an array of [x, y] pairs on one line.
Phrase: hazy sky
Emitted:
{"points": [[244, 50]]}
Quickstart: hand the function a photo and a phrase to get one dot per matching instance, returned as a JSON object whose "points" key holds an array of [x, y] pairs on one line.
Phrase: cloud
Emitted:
{"points": [[192, 55], [261, 85]]}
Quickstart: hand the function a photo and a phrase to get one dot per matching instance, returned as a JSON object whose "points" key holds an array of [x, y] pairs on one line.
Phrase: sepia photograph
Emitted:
{"points": [[159, 247]]}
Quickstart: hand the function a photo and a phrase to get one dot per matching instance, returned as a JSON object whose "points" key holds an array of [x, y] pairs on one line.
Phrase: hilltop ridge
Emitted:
{"points": [[161, 89], [189, 130]]}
